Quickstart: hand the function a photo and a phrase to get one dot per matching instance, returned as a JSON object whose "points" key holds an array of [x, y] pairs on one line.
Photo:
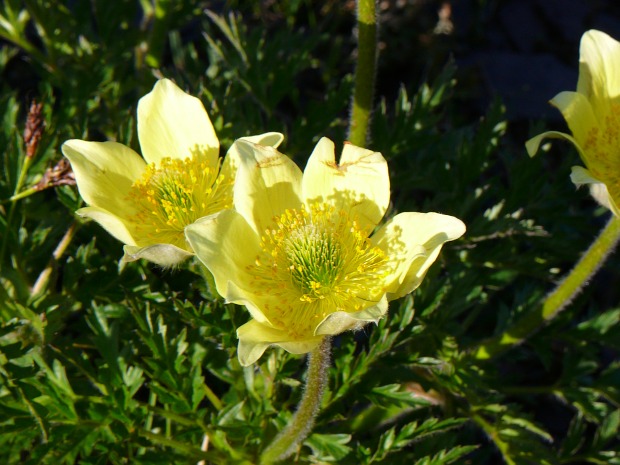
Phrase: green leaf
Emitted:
{"points": [[393, 394], [608, 430], [329, 447]]}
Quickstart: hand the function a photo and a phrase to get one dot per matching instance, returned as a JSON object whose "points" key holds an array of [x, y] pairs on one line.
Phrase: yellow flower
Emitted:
{"points": [[298, 250], [593, 116], [147, 202]]}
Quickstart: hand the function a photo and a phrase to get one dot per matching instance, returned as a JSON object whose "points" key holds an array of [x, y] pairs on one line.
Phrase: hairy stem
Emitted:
{"points": [[557, 301], [300, 425], [364, 72]]}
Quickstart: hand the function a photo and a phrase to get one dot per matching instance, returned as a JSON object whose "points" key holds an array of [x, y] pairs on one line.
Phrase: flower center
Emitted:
{"points": [[173, 194], [601, 150], [316, 262]]}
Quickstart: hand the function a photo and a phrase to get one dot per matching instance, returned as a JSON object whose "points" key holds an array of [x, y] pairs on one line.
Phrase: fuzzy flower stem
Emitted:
{"points": [[364, 72], [557, 301], [300, 425]]}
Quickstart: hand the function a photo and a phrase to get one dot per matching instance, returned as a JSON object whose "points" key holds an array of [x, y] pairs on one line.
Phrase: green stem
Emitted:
{"points": [[42, 281], [217, 403], [168, 441], [159, 32], [18, 186], [493, 434], [23, 194], [364, 72], [555, 302], [22, 174], [300, 425]]}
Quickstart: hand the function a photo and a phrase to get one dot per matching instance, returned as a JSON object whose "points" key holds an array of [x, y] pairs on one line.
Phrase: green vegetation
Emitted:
{"points": [[105, 362]]}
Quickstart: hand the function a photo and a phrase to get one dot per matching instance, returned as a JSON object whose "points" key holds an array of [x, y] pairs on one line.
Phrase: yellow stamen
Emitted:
{"points": [[174, 193], [316, 262], [601, 150]]}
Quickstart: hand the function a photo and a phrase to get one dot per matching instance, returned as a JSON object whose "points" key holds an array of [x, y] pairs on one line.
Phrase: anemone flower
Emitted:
{"points": [[147, 202], [304, 252], [593, 116]]}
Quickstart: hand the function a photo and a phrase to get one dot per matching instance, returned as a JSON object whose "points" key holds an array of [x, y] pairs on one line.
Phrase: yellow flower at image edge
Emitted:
{"points": [[146, 203], [593, 116], [298, 249]]}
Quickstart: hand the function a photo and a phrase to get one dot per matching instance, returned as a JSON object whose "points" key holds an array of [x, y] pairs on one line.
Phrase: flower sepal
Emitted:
{"points": [[255, 338], [298, 249], [339, 322], [165, 255]]}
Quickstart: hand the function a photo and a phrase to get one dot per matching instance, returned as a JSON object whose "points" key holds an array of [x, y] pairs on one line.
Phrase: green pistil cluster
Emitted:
{"points": [[316, 261]]}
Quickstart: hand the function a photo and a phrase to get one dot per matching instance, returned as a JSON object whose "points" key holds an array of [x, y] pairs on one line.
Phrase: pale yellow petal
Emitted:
{"points": [[301, 347], [600, 193], [231, 161], [255, 338], [359, 183], [579, 175], [578, 113], [114, 225], [174, 124], [533, 144], [104, 172], [227, 246], [599, 76], [412, 242], [242, 295], [270, 139], [339, 322], [612, 205], [267, 183], [229, 167], [161, 254]]}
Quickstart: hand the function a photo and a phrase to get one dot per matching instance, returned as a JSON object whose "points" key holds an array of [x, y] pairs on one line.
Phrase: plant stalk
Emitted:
{"points": [[42, 281], [300, 425], [18, 186], [557, 301], [365, 72], [159, 32]]}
